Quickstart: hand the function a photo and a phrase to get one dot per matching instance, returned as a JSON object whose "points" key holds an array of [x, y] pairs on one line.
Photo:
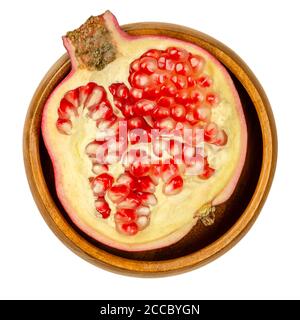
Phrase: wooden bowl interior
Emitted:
{"points": [[227, 214]]}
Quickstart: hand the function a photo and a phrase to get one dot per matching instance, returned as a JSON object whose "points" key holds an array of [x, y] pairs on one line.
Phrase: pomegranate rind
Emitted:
{"points": [[56, 145]]}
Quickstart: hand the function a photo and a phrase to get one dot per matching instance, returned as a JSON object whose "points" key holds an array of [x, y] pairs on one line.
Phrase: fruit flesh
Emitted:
{"points": [[173, 216]]}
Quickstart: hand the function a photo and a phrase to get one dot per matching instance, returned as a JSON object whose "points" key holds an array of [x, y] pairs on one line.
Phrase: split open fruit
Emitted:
{"points": [[146, 134]]}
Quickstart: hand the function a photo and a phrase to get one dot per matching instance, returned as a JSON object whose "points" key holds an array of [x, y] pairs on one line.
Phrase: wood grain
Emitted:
{"points": [[202, 244]]}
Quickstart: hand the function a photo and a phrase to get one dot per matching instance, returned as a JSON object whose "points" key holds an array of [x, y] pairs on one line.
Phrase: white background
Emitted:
{"points": [[265, 264]]}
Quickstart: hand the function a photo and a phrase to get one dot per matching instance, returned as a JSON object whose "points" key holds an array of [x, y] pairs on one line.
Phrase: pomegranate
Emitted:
{"points": [[143, 134]]}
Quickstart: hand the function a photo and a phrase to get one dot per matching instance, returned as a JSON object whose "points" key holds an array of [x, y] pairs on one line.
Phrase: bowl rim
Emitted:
{"points": [[109, 261]]}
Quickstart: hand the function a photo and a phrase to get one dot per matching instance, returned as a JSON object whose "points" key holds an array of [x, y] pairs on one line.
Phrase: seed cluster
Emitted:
{"points": [[168, 91]]}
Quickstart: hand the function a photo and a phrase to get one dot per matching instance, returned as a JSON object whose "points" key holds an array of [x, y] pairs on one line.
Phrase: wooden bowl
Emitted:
{"points": [[202, 244]]}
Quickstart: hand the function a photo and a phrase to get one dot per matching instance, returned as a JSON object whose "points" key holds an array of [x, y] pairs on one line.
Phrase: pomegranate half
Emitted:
{"points": [[146, 135]]}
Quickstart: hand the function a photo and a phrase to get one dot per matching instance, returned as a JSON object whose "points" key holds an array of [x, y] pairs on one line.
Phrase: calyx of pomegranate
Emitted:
{"points": [[146, 135]]}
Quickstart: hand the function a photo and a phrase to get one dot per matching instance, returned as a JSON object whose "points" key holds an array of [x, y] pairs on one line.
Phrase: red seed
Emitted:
{"points": [[122, 92], [145, 184], [168, 170], [207, 173], [143, 211], [125, 215], [148, 65], [210, 132], [101, 111], [178, 112], [73, 97], [180, 81], [221, 138], [205, 81], [159, 146], [132, 201], [176, 149], [212, 99], [197, 63], [190, 117], [118, 103], [188, 153], [113, 88], [102, 207], [151, 92], [160, 77], [130, 228], [102, 182], [139, 80], [161, 62], [154, 173], [142, 222], [136, 122], [85, 91], [202, 113], [165, 101], [170, 65], [154, 53], [148, 199], [105, 124], [66, 109], [168, 89], [144, 107], [197, 137], [183, 96], [64, 126], [88, 88], [191, 82], [127, 110], [207, 170], [139, 169], [136, 93], [161, 113], [183, 68], [196, 95], [173, 52], [93, 147], [118, 192], [177, 53], [135, 65], [138, 136], [127, 179], [135, 155], [173, 186], [166, 123], [96, 95], [99, 168]]}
